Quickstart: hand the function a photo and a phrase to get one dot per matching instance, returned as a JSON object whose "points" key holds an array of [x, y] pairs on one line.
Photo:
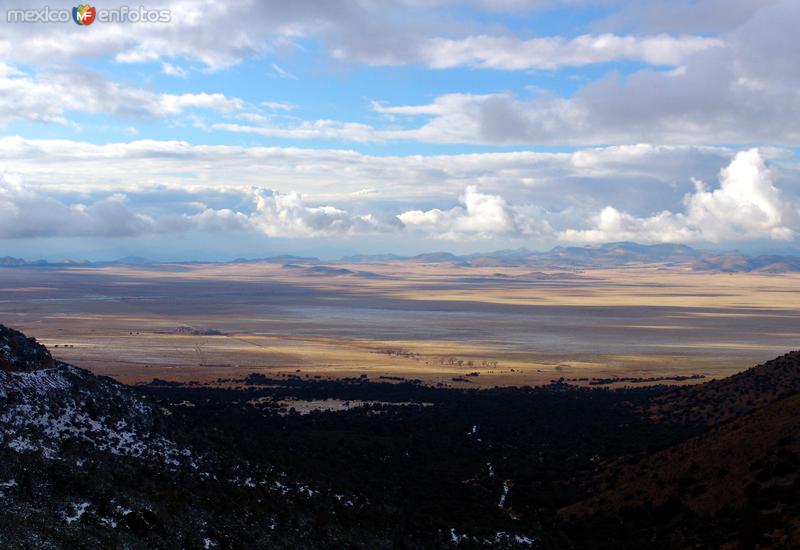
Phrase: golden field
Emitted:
{"points": [[434, 322]]}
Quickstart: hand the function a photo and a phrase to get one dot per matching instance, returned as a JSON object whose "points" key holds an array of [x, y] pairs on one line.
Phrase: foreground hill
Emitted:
{"points": [[86, 462], [736, 486], [48, 407]]}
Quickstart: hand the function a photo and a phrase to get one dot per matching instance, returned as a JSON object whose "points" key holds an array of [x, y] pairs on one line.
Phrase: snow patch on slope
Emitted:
{"points": [[42, 410]]}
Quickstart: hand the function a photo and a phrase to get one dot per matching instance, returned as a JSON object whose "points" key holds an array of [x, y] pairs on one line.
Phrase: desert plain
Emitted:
{"points": [[439, 323]]}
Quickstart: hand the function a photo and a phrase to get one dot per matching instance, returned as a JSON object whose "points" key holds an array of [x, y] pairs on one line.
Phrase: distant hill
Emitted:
{"points": [[326, 270], [732, 262], [12, 262], [284, 258], [132, 260], [8, 261], [436, 258], [367, 258]]}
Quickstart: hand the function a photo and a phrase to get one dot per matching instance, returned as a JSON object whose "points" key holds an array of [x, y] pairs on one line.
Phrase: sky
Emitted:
{"points": [[221, 130]]}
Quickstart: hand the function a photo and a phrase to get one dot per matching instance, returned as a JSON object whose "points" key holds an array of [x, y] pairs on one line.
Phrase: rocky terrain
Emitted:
{"points": [[86, 462], [22, 354]]}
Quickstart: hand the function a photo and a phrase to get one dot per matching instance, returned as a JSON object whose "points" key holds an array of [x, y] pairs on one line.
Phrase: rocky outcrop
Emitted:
{"points": [[22, 354]]}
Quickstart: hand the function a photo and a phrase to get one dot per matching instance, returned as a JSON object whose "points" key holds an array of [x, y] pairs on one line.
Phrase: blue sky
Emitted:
{"points": [[251, 128]]}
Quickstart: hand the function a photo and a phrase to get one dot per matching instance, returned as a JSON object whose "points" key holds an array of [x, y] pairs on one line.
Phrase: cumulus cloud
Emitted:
{"points": [[26, 213], [480, 216], [287, 215], [745, 206], [29, 213]]}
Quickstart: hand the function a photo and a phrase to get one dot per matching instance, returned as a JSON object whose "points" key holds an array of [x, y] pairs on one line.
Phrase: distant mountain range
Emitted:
{"points": [[10, 261], [561, 257], [606, 256]]}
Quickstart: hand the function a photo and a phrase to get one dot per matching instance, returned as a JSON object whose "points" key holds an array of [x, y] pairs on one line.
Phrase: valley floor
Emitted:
{"points": [[440, 323]]}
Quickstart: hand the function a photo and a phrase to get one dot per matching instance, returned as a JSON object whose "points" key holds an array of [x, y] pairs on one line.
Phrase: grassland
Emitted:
{"points": [[399, 319]]}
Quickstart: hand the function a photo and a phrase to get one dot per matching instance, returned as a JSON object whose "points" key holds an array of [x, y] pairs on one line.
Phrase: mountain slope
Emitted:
{"points": [[719, 400], [51, 410], [736, 485], [48, 407]]}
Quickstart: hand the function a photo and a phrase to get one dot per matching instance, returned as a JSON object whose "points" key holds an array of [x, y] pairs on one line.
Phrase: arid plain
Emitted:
{"points": [[433, 322]]}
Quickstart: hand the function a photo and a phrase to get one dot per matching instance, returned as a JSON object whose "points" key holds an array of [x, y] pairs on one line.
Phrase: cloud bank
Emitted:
{"points": [[28, 213], [747, 205]]}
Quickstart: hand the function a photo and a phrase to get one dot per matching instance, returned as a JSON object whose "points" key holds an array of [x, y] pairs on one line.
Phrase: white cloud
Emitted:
{"points": [[49, 97], [383, 32], [482, 216], [173, 104], [311, 129], [26, 213], [146, 187], [744, 89], [193, 33], [287, 215], [638, 175], [173, 70], [746, 206], [738, 87], [279, 105], [283, 73], [455, 116], [513, 53], [215, 34], [692, 16]]}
